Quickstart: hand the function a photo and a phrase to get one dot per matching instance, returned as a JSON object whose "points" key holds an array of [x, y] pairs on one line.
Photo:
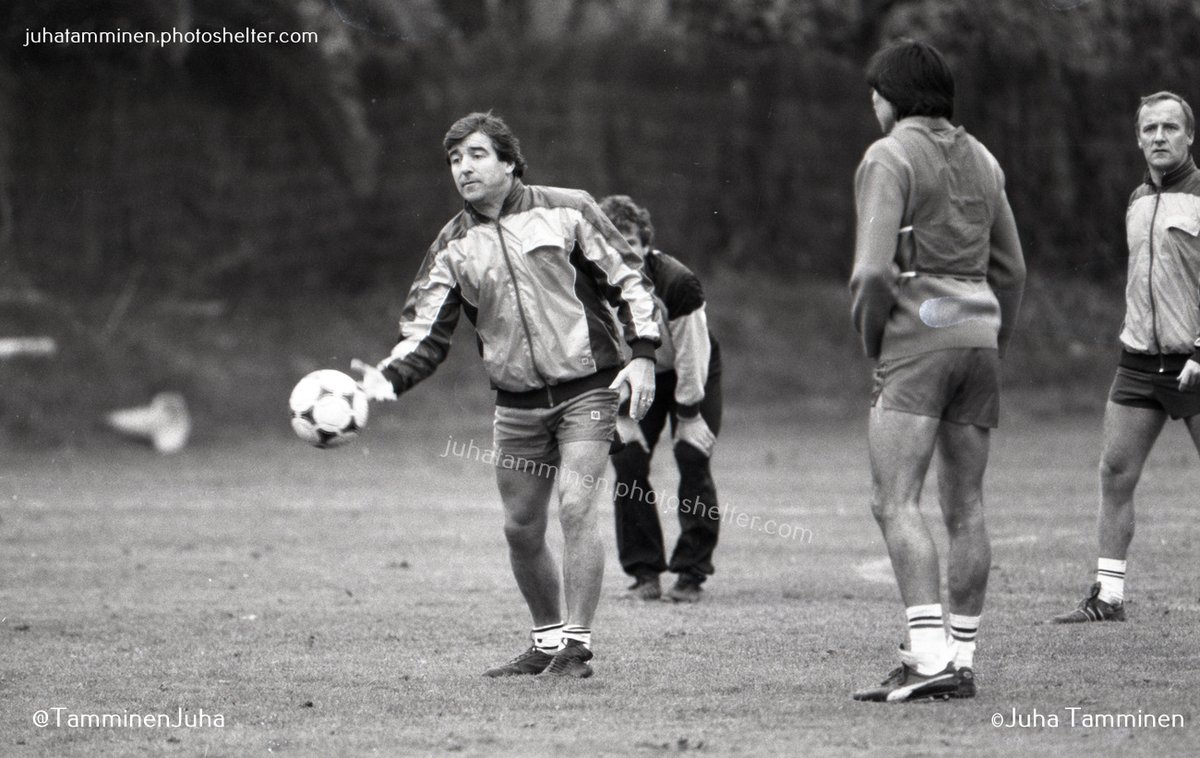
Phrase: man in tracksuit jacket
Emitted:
{"points": [[1158, 375], [536, 270], [937, 281], [688, 394]]}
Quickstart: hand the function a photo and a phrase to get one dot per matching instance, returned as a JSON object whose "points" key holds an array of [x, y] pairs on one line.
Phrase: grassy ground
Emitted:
{"points": [[345, 602]]}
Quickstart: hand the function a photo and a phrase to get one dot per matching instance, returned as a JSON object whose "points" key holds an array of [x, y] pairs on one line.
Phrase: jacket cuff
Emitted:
{"points": [[393, 376], [642, 349], [687, 411]]}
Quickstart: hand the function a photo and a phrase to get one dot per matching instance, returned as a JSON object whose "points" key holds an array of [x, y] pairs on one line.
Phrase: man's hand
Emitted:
{"points": [[639, 376], [374, 383], [1189, 378], [696, 433], [630, 432]]}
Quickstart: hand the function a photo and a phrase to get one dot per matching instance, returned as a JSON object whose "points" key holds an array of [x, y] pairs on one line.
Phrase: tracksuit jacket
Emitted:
{"points": [[937, 281], [534, 283], [687, 347], [1162, 294]]}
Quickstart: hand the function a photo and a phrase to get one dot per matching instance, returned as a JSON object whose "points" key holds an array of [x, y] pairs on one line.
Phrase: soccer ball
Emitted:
{"points": [[328, 408]]}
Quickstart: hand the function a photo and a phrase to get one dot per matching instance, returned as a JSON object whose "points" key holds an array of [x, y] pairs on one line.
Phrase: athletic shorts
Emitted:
{"points": [[961, 385], [1160, 392], [534, 434]]}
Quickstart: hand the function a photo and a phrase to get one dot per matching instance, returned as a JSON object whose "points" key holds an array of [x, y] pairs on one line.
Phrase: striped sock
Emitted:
{"points": [[579, 634], [1111, 575], [927, 637], [963, 630], [548, 638]]}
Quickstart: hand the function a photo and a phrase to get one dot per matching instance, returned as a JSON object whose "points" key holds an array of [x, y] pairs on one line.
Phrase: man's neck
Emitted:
{"points": [[491, 208]]}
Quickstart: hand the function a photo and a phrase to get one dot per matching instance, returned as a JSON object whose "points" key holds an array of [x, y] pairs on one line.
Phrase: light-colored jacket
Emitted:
{"points": [[537, 283], [1162, 293]]}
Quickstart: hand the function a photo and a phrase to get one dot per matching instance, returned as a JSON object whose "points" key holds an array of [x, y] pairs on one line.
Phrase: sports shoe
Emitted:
{"points": [[685, 590], [532, 661], [905, 684], [964, 682], [646, 587], [571, 660], [1092, 608]]}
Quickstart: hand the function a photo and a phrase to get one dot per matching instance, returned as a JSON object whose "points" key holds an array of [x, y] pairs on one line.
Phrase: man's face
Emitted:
{"points": [[1162, 135], [634, 241], [480, 176], [885, 112]]}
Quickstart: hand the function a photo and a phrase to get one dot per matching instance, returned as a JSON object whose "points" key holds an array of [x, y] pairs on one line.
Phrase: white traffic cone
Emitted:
{"points": [[165, 422]]}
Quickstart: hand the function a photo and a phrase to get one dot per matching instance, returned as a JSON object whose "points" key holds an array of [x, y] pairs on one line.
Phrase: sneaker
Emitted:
{"points": [[685, 590], [905, 684], [1092, 608], [571, 660], [646, 588], [532, 661], [964, 682]]}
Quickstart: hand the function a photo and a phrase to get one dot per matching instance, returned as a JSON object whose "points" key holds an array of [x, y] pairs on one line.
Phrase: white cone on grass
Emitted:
{"points": [[165, 422]]}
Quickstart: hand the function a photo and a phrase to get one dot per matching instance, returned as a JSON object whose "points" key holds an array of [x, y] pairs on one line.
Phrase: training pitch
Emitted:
{"points": [[260, 597]]}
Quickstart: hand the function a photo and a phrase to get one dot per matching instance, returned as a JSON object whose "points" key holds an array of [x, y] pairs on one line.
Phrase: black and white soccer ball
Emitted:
{"points": [[328, 408]]}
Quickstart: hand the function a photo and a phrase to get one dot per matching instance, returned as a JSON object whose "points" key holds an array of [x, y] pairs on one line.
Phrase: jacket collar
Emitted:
{"points": [[1175, 175], [933, 123], [510, 200]]}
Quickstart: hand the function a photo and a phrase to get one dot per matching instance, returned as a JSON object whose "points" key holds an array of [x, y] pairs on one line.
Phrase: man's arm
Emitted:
{"points": [[426, 326], [618, 272], [879, 198], [1006, 270], [693, 351]]}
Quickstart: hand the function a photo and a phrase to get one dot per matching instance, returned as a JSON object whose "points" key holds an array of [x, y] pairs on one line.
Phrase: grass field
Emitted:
{"points": [[345, 602]]}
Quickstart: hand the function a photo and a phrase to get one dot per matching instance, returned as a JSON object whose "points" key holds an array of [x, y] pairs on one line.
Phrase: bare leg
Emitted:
{"points": [[583, 463], [962, 459], [901, 446], [1129, 434], [526, 499]]}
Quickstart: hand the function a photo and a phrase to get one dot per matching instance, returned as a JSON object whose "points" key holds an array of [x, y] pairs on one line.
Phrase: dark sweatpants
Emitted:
{"points": [[639, 534]]}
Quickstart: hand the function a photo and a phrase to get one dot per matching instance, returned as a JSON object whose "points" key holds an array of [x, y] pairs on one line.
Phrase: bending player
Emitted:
{"points": [[688, 393]]}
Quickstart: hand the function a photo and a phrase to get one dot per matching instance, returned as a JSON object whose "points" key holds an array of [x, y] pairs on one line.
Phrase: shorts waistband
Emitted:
{"points": [[1151, 363], [556, 394]]}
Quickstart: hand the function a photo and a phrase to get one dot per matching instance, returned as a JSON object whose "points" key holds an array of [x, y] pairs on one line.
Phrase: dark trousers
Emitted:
{"points": [[639, 534]]}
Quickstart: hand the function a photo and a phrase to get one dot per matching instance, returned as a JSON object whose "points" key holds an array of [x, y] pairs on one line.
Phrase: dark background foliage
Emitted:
{"points": [[219, 175]]}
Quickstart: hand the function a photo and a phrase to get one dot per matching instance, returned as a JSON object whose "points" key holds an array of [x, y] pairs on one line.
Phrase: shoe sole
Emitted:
{"points": [[587, 672], [911, 693]]}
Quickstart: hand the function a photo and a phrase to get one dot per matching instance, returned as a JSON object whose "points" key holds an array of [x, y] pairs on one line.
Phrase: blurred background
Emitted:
{"points": [[219, 219]]}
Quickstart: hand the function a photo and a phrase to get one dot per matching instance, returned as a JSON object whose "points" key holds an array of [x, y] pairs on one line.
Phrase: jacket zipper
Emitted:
{"points": [[1150, 283], [521, 312]]}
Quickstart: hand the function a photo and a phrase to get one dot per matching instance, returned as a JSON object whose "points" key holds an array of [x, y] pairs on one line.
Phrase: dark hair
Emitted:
{"points": [[1189, 120], [628, 216], [505, 143], [914, 78]]}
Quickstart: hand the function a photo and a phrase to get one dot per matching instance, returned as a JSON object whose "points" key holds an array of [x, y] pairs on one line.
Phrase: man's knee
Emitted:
{"points": [[885, 508], [524, 536], [1118, 473]]}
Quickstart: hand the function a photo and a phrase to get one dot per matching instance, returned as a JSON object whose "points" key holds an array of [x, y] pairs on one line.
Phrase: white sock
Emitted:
{"points": [[1111, 575], [963, 630], [579, 633], [927, 638], [548, 639]]}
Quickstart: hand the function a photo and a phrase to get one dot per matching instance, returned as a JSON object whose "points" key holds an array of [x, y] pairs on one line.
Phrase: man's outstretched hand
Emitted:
{"points": [[374, 383]]}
